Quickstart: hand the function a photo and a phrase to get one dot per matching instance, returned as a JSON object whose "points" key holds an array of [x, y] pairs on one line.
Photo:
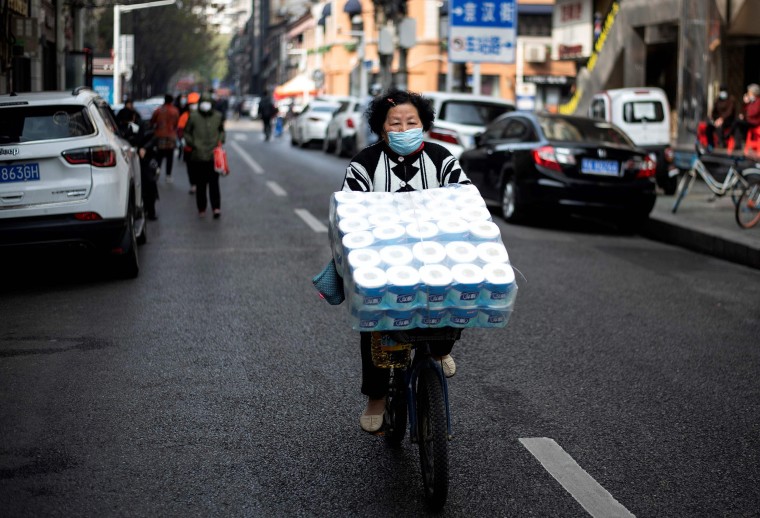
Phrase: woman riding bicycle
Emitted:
{"points": [[400, 161]]}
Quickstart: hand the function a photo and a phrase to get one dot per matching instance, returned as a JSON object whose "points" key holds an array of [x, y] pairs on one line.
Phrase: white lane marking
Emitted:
{"points": [[276, 189], [309, 219], [581, 486], [240, 136], [247, 158]]}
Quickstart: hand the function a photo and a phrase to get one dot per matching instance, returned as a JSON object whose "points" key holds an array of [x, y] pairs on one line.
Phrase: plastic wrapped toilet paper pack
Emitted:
{"points": [[419, 259]]}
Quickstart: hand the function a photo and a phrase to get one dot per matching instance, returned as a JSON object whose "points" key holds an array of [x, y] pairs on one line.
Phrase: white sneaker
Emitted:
{"points": [[448, 366]]}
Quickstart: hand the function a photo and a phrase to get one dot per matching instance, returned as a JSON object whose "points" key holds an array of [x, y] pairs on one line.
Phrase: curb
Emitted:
{"points": [[702, 242]]}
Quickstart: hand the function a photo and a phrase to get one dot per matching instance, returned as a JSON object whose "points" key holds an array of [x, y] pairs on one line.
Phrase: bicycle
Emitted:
{"points": [[418, 393], [748, 207], [734, 180]]}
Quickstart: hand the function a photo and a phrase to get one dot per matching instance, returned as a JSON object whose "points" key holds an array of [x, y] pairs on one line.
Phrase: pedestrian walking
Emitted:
{"points": [[203, 132], [722, 118], [749, 119], [164, 123], [267, 111], [191, 106]]}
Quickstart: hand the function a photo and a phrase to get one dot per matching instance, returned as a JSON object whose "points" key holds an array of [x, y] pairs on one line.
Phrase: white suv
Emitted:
{"points": [[459, 117], [68, 177]]}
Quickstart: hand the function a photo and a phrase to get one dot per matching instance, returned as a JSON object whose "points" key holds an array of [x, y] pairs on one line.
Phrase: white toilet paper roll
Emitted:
{"points": [[421, 230], [414, 215], [453, 226], [370, 278], [475, 214], [349, 197], [467, 274], [363, 257], [442, 205], [441, 214], [353, 224], [493, 253], [435, 275], [349, 210], [396, 255], [469, 201], [385, 218], [429, 252], [402, 276], [388, 233], [498, 274], [461, 252], [356, 240], [484, 230], [382, 208], [378, 197]]}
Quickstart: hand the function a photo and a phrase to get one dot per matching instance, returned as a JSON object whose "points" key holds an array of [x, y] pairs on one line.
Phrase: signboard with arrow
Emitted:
{"points": [[482, 31]]}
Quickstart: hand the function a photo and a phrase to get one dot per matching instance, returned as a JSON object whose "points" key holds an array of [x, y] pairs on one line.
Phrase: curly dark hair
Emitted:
{"points": [[378, 108]]}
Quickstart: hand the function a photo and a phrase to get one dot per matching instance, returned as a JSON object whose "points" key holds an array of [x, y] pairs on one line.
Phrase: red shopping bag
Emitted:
{"points": [[220, 161]]}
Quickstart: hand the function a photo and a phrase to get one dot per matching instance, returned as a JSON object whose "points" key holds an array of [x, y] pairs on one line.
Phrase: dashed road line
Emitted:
{"points": [[581, 486], [276, 189], [309, 219], [247, 158]]}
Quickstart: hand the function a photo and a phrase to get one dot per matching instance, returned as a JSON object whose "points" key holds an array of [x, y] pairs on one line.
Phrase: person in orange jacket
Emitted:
{"points": [[192, 104], [164, 122]]}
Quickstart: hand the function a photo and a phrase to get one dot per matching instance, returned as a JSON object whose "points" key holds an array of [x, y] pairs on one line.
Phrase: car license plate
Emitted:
{"points": [[19, 173], [600, 167]]}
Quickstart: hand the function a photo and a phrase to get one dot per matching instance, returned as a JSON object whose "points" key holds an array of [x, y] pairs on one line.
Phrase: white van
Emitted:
{"points": [[644, 115]]}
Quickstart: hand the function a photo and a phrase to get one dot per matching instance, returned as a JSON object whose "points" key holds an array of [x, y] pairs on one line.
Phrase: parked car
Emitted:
{"points": [[341, 136], [644, 115], [67, 177], [459, 117], [311, 123], [526, 161]]}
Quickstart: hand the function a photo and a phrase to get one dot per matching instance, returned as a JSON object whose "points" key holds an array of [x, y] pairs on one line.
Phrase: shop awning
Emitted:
{"points": [[295, 87]]}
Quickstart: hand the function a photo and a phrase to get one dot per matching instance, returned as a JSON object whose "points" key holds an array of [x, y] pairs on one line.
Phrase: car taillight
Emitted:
{"points": [[99, 156], [87, 216], [444, 136], [546, 157], [645, 168], [669, 155], [350, 123]]}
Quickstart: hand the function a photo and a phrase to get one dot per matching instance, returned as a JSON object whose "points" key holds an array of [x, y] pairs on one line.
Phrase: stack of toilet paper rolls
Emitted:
{"points": [[420, 259]]}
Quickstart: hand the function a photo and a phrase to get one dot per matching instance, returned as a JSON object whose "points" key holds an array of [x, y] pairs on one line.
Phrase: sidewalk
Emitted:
{"points": [[705, 226]]}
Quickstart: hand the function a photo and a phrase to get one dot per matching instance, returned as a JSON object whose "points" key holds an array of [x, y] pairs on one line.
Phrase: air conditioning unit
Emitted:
{"points": [[535, 53]]}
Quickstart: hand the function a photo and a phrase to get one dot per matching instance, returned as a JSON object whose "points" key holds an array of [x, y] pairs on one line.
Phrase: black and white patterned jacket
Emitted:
{"points": [[378, 168]]}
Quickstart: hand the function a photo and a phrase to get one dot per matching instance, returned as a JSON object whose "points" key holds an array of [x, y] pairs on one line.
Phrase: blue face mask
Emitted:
{"points": [[405, 142]]}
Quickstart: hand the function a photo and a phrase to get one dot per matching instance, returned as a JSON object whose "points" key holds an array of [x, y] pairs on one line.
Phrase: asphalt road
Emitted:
{"points": [[218, 384]]}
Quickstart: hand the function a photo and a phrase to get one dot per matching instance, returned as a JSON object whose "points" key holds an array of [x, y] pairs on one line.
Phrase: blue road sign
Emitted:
{"points": [[482, 31]]}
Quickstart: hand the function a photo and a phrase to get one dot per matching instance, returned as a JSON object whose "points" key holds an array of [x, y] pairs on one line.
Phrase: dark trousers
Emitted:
{"points": [[742, 127], [723, 132], [374, 379], [169, 155], [267, 127], [204, 176]]}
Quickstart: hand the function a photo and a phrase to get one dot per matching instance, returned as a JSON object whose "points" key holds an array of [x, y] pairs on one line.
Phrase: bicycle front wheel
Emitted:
{"points": [[683, 188], [395, 410], [432, 438], [748, 206]]}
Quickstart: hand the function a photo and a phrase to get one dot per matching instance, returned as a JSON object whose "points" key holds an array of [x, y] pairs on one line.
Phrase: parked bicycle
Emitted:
{"points": [[736, 179], [418, 393], [748, 207]]}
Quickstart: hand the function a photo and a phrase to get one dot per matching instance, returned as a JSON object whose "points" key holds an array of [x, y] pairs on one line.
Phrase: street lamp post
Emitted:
{"points": [[363, 87], [117, 10]]}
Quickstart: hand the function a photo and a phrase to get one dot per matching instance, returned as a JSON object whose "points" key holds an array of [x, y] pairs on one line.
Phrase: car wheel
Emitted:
{"points": [[327, 146], [510, 207], [143, 237], [128, 263]]}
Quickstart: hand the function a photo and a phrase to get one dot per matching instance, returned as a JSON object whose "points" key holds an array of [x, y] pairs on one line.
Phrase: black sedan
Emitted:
{"points": [[528, 161]]}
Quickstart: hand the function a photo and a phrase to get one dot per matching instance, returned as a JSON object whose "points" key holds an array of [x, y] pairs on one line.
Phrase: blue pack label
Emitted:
{"points": [[436, 298], [368, 323], [460, 320], [402, 322], [495, 319], [431, 321], [469, 295], [498, 295], [405, 299], [372, 301]]}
